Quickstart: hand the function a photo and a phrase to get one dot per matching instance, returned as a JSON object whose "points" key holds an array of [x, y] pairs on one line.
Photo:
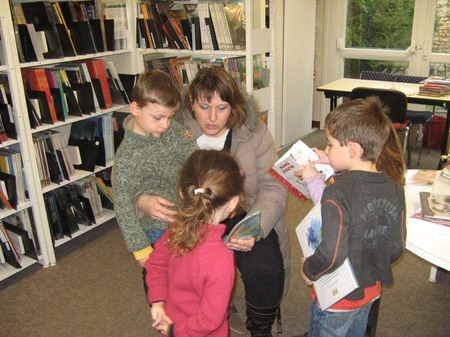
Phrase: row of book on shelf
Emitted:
{"points": [[56, 29], [192, 26], [183, 69], [7, 123], [78, 204], [92, 142], [18, 239], [72, 89], [69, 208]]}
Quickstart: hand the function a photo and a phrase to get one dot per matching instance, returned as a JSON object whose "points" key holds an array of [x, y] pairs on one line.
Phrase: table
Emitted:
{"points": [[432, 244], [344, 86]]}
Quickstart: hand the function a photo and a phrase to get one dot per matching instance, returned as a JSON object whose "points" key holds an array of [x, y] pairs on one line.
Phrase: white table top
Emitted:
{"points": [[428, 241]]}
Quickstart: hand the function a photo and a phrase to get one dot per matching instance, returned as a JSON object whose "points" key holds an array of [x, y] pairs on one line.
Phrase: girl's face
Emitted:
{"points": [[212, 117], [339, 155]]}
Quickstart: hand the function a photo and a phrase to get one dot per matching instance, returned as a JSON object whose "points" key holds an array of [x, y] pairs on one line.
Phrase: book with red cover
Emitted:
{"points": [[97, 71], [35, 79]]}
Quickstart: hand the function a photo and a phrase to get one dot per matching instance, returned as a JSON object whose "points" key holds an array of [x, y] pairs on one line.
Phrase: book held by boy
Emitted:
{"points": [[249, 227], [293, 160], [334, 286]]}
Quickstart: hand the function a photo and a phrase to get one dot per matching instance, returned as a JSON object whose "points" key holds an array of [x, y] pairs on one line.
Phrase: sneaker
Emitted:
{"points": [[236, 323]]}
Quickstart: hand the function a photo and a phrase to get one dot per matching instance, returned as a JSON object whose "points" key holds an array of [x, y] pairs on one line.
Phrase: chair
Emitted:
{"points": [[420, 118], [397, 102], [377, 76]]}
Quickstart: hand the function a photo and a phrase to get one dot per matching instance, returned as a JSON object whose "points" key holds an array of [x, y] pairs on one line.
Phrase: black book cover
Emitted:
{"points": [[57, 103], [82, 38], [89, 150], [32, 113], [155, 33], [142, 33], [87, 208], [187, 31], [68, 222], [109, 32], [8, 120], [76, 206], [63, 167], [210, 25], [97, 34], [72, 102], [56, 175], [174, 41], [44, 109], [85, 97], [8, 253], [27, 45], [65, 41], [28, 244], [53, 216], [11, 187], [128, 81], [98, 92], [195, 20]]}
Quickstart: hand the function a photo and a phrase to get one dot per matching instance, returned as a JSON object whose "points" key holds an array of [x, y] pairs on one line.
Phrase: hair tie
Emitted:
{"points": [[199, 190]]}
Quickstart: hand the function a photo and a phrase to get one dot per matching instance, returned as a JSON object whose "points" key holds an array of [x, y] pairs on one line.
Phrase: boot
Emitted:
{"points": [[260, 320]]}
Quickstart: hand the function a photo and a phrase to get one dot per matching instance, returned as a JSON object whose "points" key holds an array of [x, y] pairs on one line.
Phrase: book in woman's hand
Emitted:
{"points": [[249, 227]]}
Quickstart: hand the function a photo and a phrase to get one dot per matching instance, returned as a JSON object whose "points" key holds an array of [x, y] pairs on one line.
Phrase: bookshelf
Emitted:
{"points": [[119, 49], [34, 117]]}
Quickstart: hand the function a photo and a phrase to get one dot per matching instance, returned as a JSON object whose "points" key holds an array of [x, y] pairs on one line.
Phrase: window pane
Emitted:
{"points": [[353, 67], [441, 37], [440, 69], [384, 24]]}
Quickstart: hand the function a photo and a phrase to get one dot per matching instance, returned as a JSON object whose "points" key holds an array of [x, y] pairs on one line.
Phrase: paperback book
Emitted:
{"points": [[293, 160], [334, 286], [249, 227]]}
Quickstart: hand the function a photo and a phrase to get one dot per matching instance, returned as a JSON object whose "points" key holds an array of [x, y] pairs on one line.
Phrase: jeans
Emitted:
{"points": [[338, 323]]}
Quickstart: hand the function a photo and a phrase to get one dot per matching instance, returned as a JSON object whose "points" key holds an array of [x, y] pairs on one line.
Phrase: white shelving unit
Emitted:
{"points": [[259, 40]]}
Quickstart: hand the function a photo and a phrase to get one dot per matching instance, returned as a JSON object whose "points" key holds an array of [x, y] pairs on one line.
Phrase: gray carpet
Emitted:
{"points": [[96, 289]]}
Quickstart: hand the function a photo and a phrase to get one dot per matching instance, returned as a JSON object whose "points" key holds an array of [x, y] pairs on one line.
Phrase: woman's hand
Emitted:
{"points": [[160, 320], [243, 245], [156, 207], [305, 278]]}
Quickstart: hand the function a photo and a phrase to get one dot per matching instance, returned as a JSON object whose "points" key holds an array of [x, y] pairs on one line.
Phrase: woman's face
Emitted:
{"points": [[212, 117]]}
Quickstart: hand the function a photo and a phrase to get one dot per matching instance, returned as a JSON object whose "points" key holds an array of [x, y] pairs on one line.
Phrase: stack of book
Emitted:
{"points": [[435, 86]]}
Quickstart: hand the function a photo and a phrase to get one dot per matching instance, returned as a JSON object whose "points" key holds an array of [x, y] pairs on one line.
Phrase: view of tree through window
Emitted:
{"points": [[385, 24]]}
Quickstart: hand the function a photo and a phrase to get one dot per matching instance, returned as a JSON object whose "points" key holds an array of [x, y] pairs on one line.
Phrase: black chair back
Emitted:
{"points": [[377, 76], [410, 79], [395, 99]]}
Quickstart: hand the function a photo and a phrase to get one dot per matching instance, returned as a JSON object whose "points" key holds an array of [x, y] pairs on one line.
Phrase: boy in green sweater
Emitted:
{"points": [[148, 160]]}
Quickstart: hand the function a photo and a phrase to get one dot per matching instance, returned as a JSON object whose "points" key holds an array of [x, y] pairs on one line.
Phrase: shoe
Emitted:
{"points": [[236, 323]]}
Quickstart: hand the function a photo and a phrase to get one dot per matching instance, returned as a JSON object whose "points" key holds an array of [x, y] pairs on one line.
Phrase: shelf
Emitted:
{"points": [[7, 270]]}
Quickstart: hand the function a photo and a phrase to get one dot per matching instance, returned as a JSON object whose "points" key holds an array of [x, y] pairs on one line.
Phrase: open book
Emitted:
{"points": [[333, 286], [249, 227], [297, 156]]}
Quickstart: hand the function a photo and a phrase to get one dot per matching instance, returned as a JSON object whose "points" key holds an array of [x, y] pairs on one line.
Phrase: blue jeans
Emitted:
{"points": [[338, 323]]}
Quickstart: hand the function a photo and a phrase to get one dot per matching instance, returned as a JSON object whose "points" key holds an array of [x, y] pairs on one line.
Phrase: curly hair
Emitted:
{"points": [[207, 181]]}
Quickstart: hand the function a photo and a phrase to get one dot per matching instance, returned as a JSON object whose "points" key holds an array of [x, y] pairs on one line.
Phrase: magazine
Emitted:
{"points": [[333, 286], [297, 156], [435, 205], [249, 227]]}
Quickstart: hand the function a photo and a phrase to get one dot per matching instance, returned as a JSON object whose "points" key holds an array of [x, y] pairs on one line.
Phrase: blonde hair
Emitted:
{"points": [[207, 181]]}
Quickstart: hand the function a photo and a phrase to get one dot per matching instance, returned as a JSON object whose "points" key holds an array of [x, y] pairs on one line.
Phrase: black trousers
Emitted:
{"points": [[261, 269]]}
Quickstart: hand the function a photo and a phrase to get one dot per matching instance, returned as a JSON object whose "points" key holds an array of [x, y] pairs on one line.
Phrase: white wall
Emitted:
{"points": [[298, 68]]}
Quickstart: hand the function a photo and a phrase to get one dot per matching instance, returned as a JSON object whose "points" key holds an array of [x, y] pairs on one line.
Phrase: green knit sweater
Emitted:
{"points": [[150, 165]]}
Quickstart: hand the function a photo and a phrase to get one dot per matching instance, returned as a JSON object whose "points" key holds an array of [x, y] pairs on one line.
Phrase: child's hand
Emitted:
{"points": [[160, 320], [307, 172], [243, 245], [157, 208], [306, 279], [323, 157]]}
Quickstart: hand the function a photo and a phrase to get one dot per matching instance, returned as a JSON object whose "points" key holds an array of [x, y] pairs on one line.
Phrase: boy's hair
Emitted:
{"points": [[207, 181], [211, 80], [363, 121], [156, 87]]}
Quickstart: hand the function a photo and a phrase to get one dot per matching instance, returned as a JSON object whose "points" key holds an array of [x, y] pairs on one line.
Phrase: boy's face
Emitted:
{"points": [[152, 119], [339, 155]]}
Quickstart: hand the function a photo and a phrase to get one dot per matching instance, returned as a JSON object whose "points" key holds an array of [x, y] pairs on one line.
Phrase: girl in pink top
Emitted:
{"points": [[191, 272]]}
